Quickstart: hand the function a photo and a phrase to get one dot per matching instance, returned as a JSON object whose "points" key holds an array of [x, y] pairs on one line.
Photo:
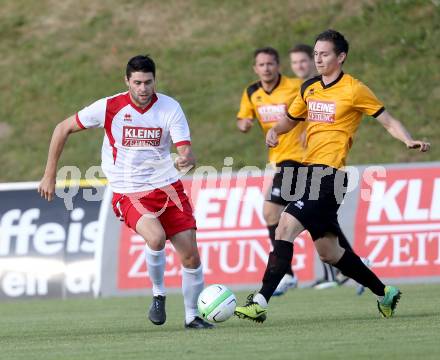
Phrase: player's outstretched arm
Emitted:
{"points": [[398, 131], [244, 125], [59, 137], [186, 159], [283, 126]]}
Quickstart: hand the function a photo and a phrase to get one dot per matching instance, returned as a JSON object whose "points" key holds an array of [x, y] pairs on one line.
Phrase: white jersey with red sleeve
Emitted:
{"points": [[136, 148]]}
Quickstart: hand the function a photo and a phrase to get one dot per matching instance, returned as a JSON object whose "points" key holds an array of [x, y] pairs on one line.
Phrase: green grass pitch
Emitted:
{"points": [[304, 324]]}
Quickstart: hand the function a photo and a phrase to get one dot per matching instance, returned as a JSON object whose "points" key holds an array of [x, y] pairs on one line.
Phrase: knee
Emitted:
{"points": [[288, 228], [267, 216], [282, 231], [153, 234], [329, 256], [270, 217], [156, 242], [191, 261], [326, 257]]}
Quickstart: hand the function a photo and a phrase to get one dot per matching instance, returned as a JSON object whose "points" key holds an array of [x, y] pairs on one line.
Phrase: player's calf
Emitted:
{"points": [[279, 261]]}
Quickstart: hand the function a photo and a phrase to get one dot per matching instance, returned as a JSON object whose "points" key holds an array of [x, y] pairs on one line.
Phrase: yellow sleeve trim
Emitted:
{"points": [[81, 182]]}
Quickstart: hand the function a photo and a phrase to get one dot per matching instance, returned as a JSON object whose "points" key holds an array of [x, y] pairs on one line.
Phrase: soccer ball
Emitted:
{"points": [[216, 303]]}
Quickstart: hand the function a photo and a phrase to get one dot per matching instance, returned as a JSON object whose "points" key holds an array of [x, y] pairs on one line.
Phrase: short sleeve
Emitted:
{"points": [[298, 109], [365, 101], [179, 129], [246, 108], [92, 116]]}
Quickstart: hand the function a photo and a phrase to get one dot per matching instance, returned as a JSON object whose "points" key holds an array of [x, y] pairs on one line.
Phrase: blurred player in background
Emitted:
{"points": [[267, 100], [333, 104], [140, 127]]}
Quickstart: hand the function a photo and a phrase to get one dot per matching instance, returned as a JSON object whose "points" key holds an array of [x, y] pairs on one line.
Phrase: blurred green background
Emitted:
{"points": [[57, 57]]}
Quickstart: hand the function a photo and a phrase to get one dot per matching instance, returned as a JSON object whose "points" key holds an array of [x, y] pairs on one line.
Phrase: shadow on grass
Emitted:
{"points": [[416, 315]]}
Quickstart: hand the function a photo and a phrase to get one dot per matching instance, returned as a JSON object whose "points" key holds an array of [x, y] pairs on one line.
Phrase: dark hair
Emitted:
{"points": [[340, 44], [142, 63], [268, 50], [302, 48]]}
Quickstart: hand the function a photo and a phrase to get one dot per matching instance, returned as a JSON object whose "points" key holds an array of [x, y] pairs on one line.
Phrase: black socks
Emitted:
{"points": [[272, 229], [352, 266], [278, 264]]}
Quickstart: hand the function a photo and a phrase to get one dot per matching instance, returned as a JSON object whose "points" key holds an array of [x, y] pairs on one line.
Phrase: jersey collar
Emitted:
{"points": [[273, 89], [333, 82], [137, 108]]}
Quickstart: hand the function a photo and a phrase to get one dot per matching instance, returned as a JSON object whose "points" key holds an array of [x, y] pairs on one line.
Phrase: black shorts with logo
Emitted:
{"points": [[317, 209], [284, 182]]}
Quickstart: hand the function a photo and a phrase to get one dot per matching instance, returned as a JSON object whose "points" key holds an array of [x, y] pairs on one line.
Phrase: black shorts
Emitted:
{"points": [[285, 182], [317, 210]]}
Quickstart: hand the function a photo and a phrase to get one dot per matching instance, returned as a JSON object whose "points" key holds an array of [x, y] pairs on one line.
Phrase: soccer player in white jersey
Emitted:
{"points": [[140, 126]]}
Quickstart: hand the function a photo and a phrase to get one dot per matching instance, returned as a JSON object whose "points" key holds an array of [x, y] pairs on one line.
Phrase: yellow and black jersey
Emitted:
{"points": [[268, 108], [333, 113]]}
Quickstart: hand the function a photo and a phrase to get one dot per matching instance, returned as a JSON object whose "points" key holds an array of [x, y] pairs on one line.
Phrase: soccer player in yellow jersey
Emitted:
{"points": [[333, 104], [303, 66], [267, 101]]}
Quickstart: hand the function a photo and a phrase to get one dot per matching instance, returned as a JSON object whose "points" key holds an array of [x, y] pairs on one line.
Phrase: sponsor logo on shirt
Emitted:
{"points": [[127, 117], [321, 111], [135, 136], [271, 113]]}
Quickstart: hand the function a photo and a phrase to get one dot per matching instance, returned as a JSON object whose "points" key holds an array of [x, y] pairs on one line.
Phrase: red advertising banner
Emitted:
{"points": [[232, 237], [398, 222]]}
